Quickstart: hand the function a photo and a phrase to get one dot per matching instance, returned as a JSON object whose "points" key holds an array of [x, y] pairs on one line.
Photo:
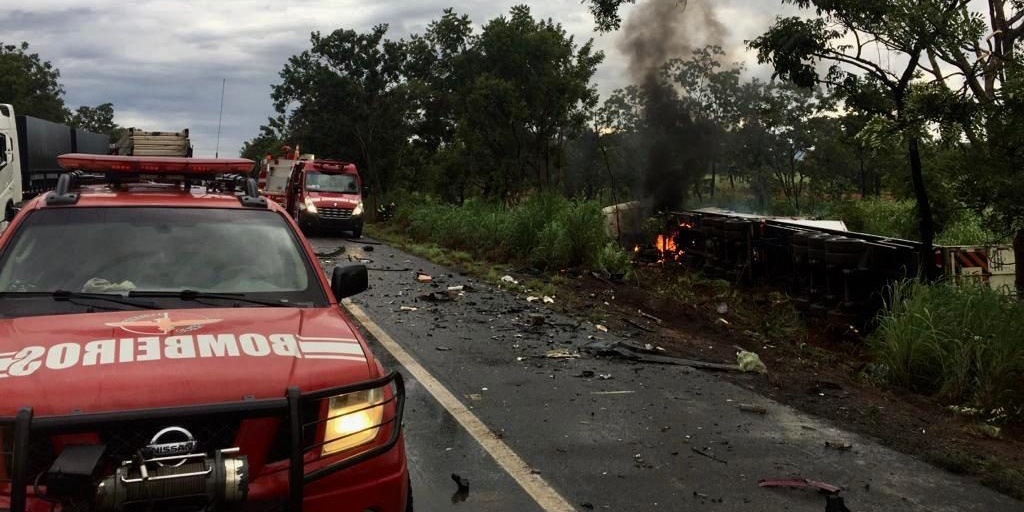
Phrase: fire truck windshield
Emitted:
{"points": [[336, 183], [251, 253]]}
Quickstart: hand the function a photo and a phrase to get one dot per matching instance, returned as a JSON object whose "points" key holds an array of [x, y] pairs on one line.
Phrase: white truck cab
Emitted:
{"points": [[10, 162]]}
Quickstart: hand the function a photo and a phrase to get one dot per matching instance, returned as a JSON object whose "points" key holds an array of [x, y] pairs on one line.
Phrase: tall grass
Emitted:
{"points": [[546, 231], [964, 344]]}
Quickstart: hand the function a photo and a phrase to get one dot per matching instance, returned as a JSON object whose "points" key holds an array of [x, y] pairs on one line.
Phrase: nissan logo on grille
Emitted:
{"points": [[169, 442]]}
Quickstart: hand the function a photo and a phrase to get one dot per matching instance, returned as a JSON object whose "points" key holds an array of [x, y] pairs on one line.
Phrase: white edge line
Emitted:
{"points": [[534, 485]]}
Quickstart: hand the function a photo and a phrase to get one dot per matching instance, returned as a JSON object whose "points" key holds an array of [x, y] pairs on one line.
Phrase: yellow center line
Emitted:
{"points": [[516, 467]]}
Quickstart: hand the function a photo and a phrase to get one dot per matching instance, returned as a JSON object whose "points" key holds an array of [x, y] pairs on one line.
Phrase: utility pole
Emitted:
{"points": [[220, 117]]}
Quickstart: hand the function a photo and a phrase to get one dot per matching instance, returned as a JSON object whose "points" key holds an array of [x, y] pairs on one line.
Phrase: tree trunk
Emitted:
{"points": [[863, 180], [714, 178], [924, 208], [1018, 249]]}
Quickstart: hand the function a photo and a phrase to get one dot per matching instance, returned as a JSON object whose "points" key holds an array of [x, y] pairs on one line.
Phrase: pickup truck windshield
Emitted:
{"points": [[337, 183], [253, 254]]}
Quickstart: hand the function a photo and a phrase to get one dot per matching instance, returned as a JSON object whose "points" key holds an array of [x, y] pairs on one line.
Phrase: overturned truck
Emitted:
{"points": [[826, 269]]}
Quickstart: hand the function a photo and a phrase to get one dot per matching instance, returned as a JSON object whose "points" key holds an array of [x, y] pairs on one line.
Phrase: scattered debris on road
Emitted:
{"points": [[337, 251], [601, 328], [756, 409], [408, 308], [562, 353], [424, 278], [549, 300], [750, 362], [536, 319], [367, 248], [841, 446], [649, 316], [633, 353], [509, 280], [443, 349], [612, 392], [708, 455], [463, 488], [444, 296], [833, 502]]}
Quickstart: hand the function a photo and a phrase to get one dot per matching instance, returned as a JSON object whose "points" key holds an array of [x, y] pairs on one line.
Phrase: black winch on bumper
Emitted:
{"points": [[161, 476]]}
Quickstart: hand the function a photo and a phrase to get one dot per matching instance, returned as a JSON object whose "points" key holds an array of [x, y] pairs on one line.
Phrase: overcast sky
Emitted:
{"points": [[161, 62]]}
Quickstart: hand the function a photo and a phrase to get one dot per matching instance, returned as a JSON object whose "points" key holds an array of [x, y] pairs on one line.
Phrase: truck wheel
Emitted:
{"points": [[357, 232]]}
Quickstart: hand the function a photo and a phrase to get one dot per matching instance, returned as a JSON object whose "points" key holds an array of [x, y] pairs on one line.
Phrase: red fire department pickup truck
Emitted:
{"points": [[165, 346]]}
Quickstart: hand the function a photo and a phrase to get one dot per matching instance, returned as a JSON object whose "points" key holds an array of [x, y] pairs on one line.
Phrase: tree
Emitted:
{"points": [[529, 92], [347, 98], [606, 13], [850, 36], [99, 119], [31, 84], [711, 95]]}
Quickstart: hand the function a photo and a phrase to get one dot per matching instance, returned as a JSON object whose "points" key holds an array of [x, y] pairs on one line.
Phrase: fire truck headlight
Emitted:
{"points": [[353, 419], [310, 207], [358, 210]]}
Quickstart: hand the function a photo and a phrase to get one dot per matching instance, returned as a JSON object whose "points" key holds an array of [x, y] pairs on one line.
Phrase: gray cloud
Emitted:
{"points": [[161, 62]]}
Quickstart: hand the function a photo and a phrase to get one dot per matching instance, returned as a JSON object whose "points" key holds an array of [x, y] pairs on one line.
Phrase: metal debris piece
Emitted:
{"points": [[536, 319], [635, 353], [562, 353], [509, 280], [443, 349], [605, 376], [842, 446], [648, 316], [438, 296], [456, 288], [337, 251], [424, 278], [708, 455], [532, 299], [799, 483], [756, 409], [548, 300], [601, 328], [408, 308]]}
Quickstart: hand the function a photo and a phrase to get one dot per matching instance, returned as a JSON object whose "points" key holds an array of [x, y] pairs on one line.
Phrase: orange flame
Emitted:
{"points": [[665, 244]]}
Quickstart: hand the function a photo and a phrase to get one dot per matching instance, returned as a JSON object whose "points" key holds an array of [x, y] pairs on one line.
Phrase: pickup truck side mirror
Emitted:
{"points": [[349, 280]]}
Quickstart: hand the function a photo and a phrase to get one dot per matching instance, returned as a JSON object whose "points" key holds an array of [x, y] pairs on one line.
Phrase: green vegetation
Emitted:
{"points": [[32, 85], [963, 343], [545, 231]]}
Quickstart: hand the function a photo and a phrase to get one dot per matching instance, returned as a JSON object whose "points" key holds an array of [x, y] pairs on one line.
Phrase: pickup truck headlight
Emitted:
{"points": [[358, 210], [353, 419], [310, 207]]}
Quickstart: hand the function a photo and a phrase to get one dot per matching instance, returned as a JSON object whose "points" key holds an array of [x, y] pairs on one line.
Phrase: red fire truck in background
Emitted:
{"points": [[318, 194]]}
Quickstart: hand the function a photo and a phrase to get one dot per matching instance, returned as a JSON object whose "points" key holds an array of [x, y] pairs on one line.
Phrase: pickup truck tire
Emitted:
{"points": [[357, 232], [408, 502]]}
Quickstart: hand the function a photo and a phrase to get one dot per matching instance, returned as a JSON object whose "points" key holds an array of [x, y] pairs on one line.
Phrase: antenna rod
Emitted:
{"points": [[220, 117]]}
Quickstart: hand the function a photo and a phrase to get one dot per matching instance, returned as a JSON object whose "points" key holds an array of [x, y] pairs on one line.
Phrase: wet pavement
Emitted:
{"points": [[646, 437]]}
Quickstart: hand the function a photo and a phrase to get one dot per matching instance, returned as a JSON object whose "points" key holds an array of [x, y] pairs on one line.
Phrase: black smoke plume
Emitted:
{"points": [[657, 31]]}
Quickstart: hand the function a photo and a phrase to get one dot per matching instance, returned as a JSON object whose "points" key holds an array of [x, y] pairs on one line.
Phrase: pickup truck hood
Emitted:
{"points": [[139, 359]]}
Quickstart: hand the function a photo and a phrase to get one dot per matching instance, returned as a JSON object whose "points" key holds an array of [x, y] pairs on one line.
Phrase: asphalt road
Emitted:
{"points": [[647, 437]]}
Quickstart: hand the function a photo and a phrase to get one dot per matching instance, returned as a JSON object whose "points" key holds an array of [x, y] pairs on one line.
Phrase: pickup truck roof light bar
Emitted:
{"points": [[117, 169]]}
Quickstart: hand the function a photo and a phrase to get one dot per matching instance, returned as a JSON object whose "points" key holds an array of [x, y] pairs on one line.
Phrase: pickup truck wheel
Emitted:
{"points": [[408, 502], [357, 232]]}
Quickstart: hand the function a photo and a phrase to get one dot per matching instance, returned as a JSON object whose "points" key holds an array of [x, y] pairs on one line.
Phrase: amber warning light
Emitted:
{"points": [[155, 165]]}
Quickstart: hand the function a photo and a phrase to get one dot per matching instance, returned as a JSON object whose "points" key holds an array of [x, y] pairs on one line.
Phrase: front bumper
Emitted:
{"points": [[331, 218], [307, 481]]}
